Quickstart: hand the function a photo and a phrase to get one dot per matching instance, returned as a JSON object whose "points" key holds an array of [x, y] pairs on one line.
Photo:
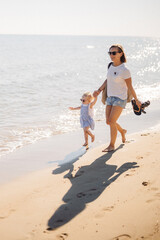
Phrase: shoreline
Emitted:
{"points": [[69, 158], [64, 147], [99, 196]]}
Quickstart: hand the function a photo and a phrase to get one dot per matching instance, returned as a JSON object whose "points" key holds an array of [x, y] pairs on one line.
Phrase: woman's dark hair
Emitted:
{"points": [[120, 49]]}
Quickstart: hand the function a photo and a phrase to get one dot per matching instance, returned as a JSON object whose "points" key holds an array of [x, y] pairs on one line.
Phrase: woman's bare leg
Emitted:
{"points": [[112, 115], [119, 128], [108, 111], [122, 132]]}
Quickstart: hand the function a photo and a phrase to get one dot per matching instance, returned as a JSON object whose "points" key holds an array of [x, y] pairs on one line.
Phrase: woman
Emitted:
{"points": [[118, 83]]}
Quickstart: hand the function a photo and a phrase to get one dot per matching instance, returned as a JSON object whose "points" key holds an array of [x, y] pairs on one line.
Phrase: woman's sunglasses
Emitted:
{"points": [[82, 100], [113, 53]]}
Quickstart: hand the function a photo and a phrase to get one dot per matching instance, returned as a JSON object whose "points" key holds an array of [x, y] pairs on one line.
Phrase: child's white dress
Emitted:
{"points": [[86, 116]]}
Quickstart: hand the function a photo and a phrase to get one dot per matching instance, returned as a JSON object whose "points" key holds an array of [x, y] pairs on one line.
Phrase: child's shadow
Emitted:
{"points": [[67, 163], [87, 185]]}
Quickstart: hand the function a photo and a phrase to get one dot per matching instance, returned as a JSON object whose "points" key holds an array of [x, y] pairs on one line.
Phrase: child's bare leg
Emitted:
{"points": [[85, 137], [90, 134]]}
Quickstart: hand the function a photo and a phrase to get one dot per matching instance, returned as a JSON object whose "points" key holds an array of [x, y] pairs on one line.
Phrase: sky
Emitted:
{"points": [[81, 17]]}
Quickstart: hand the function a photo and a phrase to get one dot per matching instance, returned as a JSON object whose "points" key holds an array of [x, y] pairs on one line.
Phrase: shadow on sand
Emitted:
{"points": [[87, 185]]}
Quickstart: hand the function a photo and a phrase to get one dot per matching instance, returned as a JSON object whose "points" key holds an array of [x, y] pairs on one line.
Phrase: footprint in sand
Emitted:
{"points": [[127, 175], [51, 229], [30, 235], [145, 134], [157, 194], [89, 192], [79, 174], [139, 157], [100, 215], [129, 141], [59, 220], [109, 208], [130, 174], [62, 236], [81, 194], [92, 189], [10, 211], [150, 200], [154, 189], [145, 183], [122, 237]]}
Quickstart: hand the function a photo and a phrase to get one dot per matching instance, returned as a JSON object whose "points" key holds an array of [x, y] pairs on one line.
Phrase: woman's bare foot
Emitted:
{"points": [[85, 144], [123, 134], [92, 138], [109, 149]]}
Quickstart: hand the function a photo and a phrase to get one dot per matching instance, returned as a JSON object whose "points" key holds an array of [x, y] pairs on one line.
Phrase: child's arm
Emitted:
{"points": [[76, 108], [94, 102]]}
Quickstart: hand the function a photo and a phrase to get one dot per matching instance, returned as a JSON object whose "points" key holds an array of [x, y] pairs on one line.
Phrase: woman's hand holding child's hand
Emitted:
{"points": [[71, 108], [95, 94]]}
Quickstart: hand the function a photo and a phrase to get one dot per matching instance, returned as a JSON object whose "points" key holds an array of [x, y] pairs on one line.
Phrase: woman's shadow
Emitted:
{"points": [[87, 185]]}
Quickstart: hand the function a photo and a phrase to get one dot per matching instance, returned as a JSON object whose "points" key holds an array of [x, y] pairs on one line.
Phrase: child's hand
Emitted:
{"points": [[74, 108], [95, 94]]}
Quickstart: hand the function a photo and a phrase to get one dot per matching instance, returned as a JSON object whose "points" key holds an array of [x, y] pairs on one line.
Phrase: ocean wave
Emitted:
{"points": [[16, 138]]}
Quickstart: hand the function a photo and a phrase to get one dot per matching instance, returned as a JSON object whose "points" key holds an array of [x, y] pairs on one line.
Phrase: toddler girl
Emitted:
{"points": [[86, 115]]}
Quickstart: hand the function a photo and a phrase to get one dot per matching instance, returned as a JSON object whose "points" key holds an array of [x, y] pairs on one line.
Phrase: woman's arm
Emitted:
{"points": [[76, 108], [97, 92], [94, 102], [130, 87]]}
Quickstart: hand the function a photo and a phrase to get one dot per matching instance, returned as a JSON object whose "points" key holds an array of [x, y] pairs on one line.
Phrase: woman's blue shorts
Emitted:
{"points": [[116, 101]]}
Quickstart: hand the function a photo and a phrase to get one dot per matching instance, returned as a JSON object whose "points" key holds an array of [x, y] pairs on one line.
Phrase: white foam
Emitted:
{"points": [[18, 138], [90, 46], [155, 128]]}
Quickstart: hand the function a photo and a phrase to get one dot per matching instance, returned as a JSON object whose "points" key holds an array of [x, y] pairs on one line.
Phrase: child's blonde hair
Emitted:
{"points": [[89, 96]]}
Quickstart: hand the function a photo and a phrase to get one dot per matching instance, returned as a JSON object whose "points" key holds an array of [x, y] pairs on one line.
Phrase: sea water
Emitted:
{"points": [[42, 76]]}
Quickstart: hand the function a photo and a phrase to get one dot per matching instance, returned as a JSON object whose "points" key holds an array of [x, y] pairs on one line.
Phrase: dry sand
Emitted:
{"points": [[100, 196]]}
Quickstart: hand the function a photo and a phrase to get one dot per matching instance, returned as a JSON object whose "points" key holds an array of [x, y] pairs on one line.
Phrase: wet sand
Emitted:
{"points": [[98, 196]]}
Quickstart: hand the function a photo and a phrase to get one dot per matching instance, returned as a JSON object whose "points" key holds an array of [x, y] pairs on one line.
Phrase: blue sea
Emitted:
{"points": [[42, 76]]}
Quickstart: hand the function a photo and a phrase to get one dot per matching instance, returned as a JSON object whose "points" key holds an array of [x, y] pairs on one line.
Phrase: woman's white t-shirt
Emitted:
{"points": [[116, 85]]}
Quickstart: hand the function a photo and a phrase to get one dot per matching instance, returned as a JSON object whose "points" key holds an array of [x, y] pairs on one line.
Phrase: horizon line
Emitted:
{"points": [[74, 35]]}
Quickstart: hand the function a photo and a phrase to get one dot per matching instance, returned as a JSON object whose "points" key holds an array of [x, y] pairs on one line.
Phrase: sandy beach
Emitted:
{"points": [[99, 196], [51, 186]]}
